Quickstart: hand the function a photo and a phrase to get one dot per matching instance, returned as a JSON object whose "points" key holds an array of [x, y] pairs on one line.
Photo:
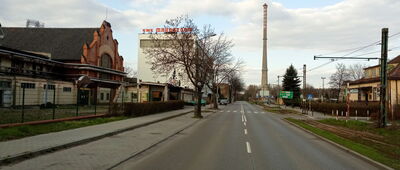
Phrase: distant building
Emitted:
{"points": [[39, 60]]}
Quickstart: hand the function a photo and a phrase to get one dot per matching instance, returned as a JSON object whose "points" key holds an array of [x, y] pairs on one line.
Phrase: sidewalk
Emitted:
{"points": [[36, 145], [109, 152]]}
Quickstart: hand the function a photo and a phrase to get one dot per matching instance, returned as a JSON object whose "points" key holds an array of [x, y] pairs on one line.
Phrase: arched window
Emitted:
{"points": [[105, 61]]}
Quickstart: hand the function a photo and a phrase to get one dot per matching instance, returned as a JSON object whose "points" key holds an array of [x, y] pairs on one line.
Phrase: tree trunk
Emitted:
{"points": [[197, 109], [215, 102]]}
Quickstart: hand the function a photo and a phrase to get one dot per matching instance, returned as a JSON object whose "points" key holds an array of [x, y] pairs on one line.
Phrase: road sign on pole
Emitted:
{"points": [[286, 94]]}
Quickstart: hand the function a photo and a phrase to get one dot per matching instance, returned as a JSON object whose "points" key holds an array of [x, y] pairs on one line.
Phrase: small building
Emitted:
{"points": [[367, 89]]}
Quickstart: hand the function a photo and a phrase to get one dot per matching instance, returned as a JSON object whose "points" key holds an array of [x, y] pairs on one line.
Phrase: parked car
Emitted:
{"points": [[223, 101]]}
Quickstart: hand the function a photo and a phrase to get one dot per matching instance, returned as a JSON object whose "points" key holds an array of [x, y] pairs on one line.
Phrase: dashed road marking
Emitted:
{"points": [[228, 111], [244, 123], [245, 119], [248, 147], [221, 111], [245, 131], [234, 111]]}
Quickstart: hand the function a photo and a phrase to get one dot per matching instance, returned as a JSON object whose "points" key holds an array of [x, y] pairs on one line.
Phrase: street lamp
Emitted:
{"points": [[323, 78]]}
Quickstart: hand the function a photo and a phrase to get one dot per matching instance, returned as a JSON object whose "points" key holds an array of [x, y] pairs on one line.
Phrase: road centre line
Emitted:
{"points": [[234, 111], [245, 119], [245, 131], [244, 123], [248, 147], [242, 119]]}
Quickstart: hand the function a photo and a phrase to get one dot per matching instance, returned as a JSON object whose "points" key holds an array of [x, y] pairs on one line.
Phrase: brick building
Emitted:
{"points": [[41, 59]]}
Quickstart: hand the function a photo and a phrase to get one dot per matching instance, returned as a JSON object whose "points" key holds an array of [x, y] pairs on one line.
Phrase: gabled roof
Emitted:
{"points": [[394, 74], [61, 43], [392, 61]]}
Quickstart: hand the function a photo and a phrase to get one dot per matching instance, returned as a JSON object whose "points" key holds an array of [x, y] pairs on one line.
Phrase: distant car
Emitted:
{"points": [[193, 102], [223, 101]]}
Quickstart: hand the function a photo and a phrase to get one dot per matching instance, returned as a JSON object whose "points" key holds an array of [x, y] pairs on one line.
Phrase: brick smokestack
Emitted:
{"points": [[264, 75]]}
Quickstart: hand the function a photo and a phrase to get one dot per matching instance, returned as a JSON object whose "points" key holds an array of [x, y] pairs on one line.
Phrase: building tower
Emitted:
{"points": [[264, 75]]}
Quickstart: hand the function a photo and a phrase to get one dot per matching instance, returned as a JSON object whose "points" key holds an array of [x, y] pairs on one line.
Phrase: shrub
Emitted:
{"points": [[141, 109]]}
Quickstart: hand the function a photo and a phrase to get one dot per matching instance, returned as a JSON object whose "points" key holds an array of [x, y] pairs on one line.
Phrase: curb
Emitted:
{"points": [[369, 160], [159, 142], [27, 155]]}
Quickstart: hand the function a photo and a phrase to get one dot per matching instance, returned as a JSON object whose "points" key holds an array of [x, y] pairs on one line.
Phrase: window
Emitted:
{"points": [[5, 84], [106, 63], [67, 89], [51, 86], [108, 96], [101, 96], [28, 85]]}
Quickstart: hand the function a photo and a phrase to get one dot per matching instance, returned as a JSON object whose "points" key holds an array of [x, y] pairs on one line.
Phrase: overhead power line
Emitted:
{"points": [[354, 51]]}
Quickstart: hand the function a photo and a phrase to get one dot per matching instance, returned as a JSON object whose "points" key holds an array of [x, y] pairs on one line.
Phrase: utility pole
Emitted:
{"points": [[323, 89], [304, 82], [383, 96]]}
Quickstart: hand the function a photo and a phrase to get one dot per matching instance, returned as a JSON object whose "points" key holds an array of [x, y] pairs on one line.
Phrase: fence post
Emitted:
{"points": [[337, 114], [23, 105], [77, 101], [341, 114], [367, 114], [356, 114], [95, 101], [54, 102]]}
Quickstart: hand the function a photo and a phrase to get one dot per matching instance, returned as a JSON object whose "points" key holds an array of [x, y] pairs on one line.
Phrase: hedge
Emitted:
{"points": [[141, 109], [362, 108]]}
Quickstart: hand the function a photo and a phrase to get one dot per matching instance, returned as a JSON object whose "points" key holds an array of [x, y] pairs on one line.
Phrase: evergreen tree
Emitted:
{"points": [[291, 82]]}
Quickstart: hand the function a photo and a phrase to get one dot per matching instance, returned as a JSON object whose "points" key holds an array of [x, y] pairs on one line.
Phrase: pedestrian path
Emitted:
{"points": [[20, 148]]}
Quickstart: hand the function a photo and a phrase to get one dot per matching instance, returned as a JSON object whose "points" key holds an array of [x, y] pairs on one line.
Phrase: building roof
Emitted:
{"points": [[392, 61], [61, 43], [394, 74]]}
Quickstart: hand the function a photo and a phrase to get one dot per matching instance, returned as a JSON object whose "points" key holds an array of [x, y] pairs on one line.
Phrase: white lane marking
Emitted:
{"points": [[234, 111], [228, 111], [221, 111], [256, 112], [248, 147], [245, 131], [245, 119], [244, 123], [242, 119], [241, 108]]}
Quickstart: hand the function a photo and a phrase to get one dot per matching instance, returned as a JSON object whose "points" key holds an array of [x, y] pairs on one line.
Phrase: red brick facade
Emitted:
{"points": [[103, 44]]}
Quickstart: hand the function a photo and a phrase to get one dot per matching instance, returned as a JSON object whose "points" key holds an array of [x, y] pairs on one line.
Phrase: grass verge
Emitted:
{"points": [[31, 130], [363, 149]]}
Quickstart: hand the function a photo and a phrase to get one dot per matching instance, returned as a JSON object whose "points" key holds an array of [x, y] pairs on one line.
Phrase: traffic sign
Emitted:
{"points": [[286, 94], [309, 96]]}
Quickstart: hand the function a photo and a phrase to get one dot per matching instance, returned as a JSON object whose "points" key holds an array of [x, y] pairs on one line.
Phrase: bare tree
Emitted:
{"points": [[251, 92], [186, 51], [221, 65], [339, 77], [130, 72], [356, 71], [237, 85]]}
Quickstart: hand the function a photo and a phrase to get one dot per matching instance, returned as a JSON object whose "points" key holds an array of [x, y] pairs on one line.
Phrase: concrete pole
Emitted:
{"points": [[304, 81]]}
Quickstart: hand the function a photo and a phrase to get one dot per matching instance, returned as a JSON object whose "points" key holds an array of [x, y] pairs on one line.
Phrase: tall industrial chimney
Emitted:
{"points": [[264, 75]]}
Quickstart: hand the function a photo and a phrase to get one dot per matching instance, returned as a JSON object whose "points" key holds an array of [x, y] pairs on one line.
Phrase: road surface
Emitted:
{"points": [[242, 136]]}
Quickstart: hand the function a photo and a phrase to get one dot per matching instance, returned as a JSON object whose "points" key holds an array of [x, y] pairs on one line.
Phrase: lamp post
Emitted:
{"points": [[323, 83]]}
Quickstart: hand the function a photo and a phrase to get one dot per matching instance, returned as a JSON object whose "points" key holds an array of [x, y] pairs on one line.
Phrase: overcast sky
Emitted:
{"points": [[297, 30]]}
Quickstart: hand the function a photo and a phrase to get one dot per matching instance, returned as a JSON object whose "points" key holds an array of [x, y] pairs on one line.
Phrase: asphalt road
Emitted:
{"points": [[242, 136]]}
